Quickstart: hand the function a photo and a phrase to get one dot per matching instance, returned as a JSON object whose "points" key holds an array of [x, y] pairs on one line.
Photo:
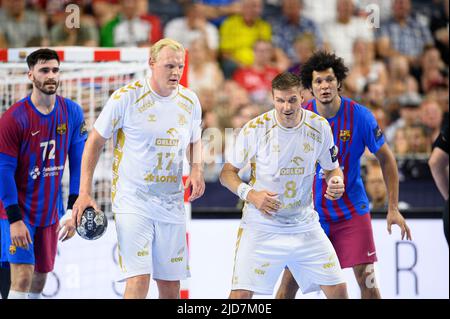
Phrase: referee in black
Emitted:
{"points": [[439, 168]]}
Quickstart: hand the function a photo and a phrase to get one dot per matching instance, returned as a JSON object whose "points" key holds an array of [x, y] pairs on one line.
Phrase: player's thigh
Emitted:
{"points": [[259, 261], [135, 235], [170, 252], [11, 253], [314, 262]]}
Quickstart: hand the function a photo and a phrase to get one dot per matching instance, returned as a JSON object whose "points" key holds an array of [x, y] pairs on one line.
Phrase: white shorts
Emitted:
{"points": [[151, 247], [261, 257]]}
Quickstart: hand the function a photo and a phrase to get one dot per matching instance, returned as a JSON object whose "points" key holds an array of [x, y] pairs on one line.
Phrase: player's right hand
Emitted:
{"points": [[83, 201], [20, 236], [265, 201]]}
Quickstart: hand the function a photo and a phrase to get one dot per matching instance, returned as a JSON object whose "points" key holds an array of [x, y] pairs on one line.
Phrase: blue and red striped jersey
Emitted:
{"points": [[354, 128], [40, 143]]}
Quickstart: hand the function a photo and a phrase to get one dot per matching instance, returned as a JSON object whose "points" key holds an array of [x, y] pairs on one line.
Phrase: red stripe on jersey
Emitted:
{"points": [[335, 130], [46, 203], [323, 204], [309, 106], [346, 199], [35, 190], [342, 144]]}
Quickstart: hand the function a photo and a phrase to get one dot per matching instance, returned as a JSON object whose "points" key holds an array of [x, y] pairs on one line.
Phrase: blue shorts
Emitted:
{"points": [[41, 252]]}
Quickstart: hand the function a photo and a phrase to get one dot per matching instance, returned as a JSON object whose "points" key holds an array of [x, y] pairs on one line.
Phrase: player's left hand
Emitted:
{"points": [[198, 184], [335, 189], [66, 228], [394, 217]]}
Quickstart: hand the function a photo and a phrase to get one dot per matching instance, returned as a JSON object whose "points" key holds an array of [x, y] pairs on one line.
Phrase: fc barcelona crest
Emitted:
{"points": [[61, 129], [344, 135]]}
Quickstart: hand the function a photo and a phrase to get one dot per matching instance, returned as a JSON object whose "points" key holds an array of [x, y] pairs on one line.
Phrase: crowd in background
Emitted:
{"points": [[398, 64]]}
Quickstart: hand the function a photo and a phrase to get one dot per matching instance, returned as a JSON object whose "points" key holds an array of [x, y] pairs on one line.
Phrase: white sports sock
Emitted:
{"points": [[34, 295], [17, 295]]}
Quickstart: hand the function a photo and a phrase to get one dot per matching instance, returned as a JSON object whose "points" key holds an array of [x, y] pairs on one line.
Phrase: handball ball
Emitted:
{"points": [[93, 224]]}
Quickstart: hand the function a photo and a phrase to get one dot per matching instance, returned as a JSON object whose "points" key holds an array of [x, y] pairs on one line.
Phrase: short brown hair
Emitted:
{"points": [[285, 81]]}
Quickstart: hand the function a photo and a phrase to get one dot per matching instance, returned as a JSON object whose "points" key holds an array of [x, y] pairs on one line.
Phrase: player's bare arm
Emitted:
{"points": [[335, 182], [194, 154], [265, 201], [390, 175], [91, 154]]}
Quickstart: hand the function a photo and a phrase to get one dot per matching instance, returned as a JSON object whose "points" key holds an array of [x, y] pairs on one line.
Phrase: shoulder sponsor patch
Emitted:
{"points": [[334, 153], [83, 128], [378, 133]]}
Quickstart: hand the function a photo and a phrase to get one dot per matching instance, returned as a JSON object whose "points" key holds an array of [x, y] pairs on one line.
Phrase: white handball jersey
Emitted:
{"points": [[283, 161], [151, 134]]}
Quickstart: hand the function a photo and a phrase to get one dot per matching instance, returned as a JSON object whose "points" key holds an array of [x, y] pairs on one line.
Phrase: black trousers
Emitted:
{"points": [[5, 282]]}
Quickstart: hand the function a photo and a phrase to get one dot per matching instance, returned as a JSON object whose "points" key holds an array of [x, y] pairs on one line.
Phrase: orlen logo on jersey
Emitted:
{"points": [[35, 172]]}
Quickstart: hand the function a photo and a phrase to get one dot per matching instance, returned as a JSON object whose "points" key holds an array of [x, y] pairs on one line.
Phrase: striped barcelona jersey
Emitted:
{"points": [[40, 143], [354, 128]]}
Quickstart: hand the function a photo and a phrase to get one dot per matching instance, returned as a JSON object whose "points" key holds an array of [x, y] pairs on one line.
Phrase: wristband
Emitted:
{"points": [[13, 212], [243, 191], [72, 199]]}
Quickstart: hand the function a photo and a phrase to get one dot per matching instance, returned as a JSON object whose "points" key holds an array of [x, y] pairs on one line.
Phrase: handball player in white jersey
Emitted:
{"points": [[279, 225], [154, 123]]}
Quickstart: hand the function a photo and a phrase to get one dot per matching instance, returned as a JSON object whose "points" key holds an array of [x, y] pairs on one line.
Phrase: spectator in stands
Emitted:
{"points": [[431, 116], [105, 11], [193, 26], [143, 12], [409, 114], [400, 79], [128, 28], [400, 145], [86, 34], [167, 10], [341, 34], [432, 69], [365, 68], [290, 25], [238, 34], [439, 93], [418, 139], [403, 34], [257, 78], [218, 10], [20, 27], [439, 28], [304, 46], [204, 71], [320, 11], [374, 95], [376, 189], [381, 116]]}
